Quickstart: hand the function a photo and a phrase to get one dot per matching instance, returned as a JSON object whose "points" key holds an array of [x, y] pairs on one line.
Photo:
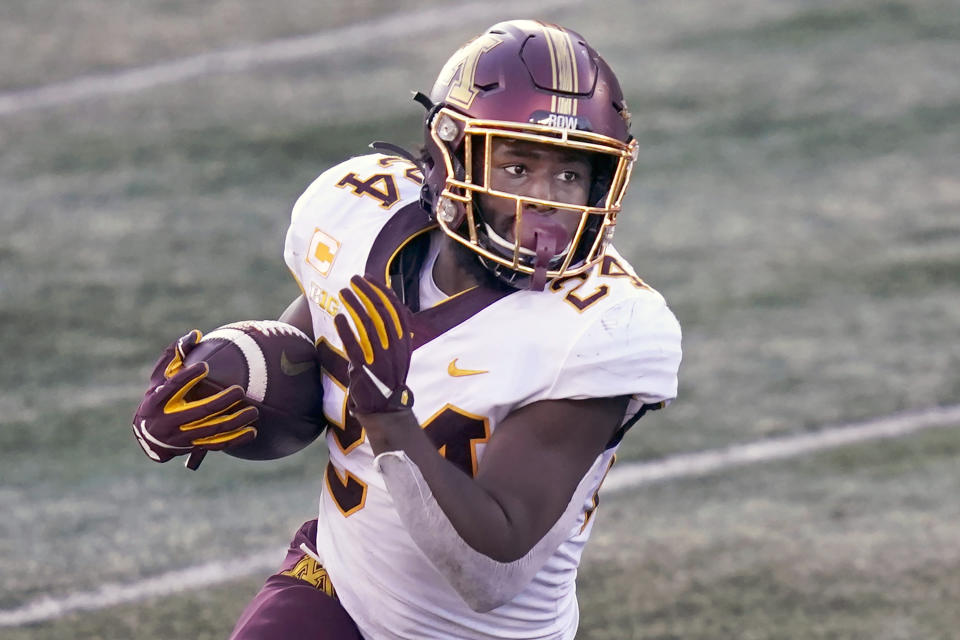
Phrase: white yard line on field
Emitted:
{"points": [[108, 595], [686, 465], [621, 478], [406, 25]]}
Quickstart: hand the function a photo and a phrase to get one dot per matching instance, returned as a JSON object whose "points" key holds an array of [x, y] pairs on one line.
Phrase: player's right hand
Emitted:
{"points": [[167, 425]]}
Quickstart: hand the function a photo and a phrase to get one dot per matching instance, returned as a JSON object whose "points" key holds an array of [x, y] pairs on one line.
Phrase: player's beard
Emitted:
{"points": [[469, 262]]}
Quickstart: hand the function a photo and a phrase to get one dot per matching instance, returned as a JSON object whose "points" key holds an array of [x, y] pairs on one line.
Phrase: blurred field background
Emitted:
{"points": [[797, 200]]}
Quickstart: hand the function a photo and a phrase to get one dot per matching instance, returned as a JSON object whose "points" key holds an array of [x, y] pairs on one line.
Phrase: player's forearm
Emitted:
{"points": [[482, 552], [477, 516]]}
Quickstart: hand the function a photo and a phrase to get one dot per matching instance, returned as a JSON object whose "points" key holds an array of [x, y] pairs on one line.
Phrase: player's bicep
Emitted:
{"points": [[540, 453], [298, 314]]}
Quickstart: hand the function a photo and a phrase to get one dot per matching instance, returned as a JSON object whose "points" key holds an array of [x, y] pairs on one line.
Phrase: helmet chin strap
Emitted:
{"points": [[543, 242], [508, 246]]}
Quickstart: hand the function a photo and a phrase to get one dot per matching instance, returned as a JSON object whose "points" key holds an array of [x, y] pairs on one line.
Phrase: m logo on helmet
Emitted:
{"points": [[462, 91]]}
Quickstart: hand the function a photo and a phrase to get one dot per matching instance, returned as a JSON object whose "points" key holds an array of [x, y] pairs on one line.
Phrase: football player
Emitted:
{"points": [[485, 349]]}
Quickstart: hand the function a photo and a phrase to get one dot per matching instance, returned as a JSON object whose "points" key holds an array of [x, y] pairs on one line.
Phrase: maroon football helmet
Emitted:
{"points": [[523, 80]]}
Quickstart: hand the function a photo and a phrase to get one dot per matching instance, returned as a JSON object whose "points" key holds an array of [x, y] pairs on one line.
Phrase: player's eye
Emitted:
{"points": [[515, 170], [569, 176]]}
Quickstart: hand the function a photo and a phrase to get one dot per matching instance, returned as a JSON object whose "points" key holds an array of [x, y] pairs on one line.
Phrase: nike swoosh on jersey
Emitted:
{"points": [[457, 372], [293, 368]]}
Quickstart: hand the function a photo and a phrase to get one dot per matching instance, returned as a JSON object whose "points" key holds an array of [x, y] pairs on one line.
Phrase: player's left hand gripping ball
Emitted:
{"points": [[167, 425], [378, 347]]}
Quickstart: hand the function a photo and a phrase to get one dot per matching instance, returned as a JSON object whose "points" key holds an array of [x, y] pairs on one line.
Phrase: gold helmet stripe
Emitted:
{"points": [[563, 62]]}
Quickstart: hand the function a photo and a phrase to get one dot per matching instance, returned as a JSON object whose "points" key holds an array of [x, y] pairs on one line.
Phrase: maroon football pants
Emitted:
{"points": [[297, 602]]}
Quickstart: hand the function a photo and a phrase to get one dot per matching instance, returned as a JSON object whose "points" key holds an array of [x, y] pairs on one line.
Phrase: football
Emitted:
{"points": [[279, 369]]}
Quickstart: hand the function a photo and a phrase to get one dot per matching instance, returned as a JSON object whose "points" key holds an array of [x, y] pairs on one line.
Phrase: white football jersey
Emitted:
{"points": [[479, 356]]}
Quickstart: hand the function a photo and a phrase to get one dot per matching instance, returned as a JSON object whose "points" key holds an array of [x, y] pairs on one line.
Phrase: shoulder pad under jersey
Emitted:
{"points": [[628, 346], [351, 200]]}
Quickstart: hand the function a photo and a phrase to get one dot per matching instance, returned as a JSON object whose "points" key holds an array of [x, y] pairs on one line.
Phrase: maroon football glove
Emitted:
{"points": [[167, 425], [378, 347]]}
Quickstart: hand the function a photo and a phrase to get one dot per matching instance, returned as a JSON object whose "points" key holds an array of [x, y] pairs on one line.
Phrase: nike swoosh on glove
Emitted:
{"points": [[378, 346], [167, 425]]}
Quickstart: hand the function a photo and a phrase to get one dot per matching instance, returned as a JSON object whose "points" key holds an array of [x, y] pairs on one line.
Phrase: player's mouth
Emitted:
{"points": [[539, 233]]}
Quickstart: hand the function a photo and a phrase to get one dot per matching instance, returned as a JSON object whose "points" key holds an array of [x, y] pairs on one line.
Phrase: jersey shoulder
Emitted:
{"points": [[369, 185], [346, 206], [626, 340], [583, 299]]}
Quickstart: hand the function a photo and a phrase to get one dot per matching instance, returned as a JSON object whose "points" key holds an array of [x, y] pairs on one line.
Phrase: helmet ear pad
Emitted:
{"points": [[436, 173], [602, 177]]}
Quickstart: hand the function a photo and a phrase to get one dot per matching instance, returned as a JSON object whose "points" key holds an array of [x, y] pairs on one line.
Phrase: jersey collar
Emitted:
{"points": [[396, 258]]}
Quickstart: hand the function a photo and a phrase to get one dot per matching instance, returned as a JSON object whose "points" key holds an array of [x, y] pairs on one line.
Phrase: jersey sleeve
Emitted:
{"points": [[630, 349], [301, 229], [351, 200]]}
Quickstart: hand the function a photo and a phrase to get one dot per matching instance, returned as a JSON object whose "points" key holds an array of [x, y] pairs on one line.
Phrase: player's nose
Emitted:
{"points": [[540, 188]]}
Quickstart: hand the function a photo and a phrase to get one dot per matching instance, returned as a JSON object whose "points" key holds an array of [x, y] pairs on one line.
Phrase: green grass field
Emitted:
{"points": [[797, 200]]}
